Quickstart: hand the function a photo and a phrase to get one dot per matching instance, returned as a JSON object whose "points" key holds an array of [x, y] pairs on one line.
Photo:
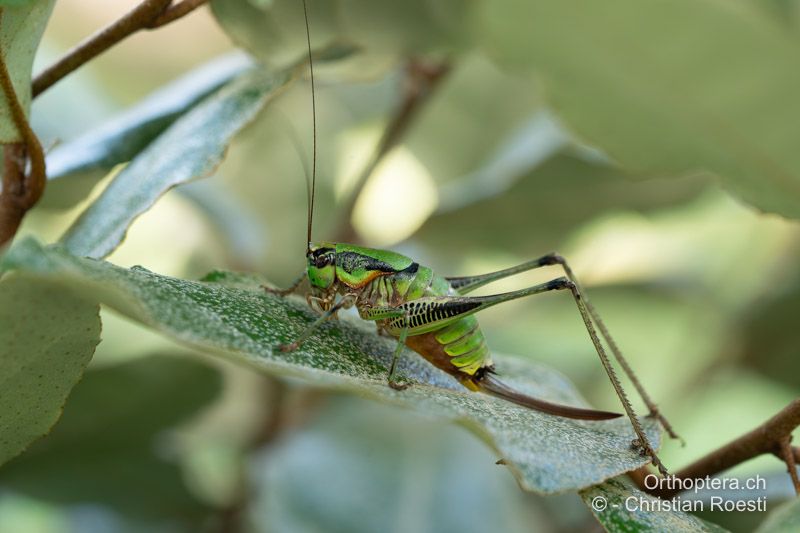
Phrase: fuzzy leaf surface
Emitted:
{"points": [[230, 315]]}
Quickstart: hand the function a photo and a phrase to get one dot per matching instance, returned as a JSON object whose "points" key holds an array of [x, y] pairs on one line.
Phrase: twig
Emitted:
{"points": [[420, 81], [773, 436], [787, 454], [175, 12], [149, 14], [11, 212], [22, 185]]}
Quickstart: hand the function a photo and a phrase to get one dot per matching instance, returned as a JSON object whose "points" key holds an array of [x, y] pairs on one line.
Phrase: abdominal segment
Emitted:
{"points": [[458, 348]]}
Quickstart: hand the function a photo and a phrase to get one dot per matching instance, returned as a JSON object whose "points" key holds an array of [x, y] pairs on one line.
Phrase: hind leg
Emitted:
{"points": [[466, 284]]}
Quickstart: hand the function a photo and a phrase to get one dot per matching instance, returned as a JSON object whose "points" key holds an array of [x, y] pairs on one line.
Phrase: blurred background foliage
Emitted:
{"points": [[699, 287]]}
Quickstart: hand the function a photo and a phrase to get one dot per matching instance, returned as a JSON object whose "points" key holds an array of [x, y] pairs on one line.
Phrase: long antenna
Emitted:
{"points": [[314, 134]]}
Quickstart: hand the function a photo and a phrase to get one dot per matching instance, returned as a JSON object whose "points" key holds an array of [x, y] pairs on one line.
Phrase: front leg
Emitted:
{"points": [[346, 301], [380, 314], [401, 341]]}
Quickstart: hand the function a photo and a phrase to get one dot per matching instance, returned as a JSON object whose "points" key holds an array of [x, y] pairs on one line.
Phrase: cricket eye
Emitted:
{"points": [[322, 261]]}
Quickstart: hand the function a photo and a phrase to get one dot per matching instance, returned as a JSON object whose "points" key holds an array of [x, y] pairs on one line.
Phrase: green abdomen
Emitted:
{"points": [[463, 341], [457, 347]]}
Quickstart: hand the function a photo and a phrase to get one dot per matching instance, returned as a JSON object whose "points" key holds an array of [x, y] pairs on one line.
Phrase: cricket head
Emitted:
{"points": [[321, 260]]}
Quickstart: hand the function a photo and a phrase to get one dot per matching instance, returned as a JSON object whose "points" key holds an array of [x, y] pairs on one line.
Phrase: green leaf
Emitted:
{"points": [[783, 519], [275, 33], [621, 509], [539, 139], [768, 337], [660, 93], [457, 133], [191, 148], [48, 336], [91, 156], [232, 315], [109, 447], [413, 26], [570, 188], [21, 28], [381, 31]]}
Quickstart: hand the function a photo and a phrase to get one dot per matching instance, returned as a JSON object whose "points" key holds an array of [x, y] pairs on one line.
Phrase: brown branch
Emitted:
{"points": [[773, 436], [11, 212], [23, 185], [420, 81], [149, 14], [174, 12], [786, 452]]}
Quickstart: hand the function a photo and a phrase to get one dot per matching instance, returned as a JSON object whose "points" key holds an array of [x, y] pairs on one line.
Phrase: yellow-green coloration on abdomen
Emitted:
{"points": [[455, 345], [458, 348], [463, 341]]}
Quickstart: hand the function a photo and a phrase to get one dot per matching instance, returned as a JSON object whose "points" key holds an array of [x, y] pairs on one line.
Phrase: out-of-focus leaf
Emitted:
{"points": [[617, 507], [644, 82], [242, 234], [21, 28], [48, 336], [537, 141], [365, 468], [54, 116], [91, 156], [381, 31], [769, 338], [275, 33], [784, 519], [477, 114], [19, 513], [785, 12], [190, 148], [231, 315], [568, 189], [106, 448], [411, 27]]}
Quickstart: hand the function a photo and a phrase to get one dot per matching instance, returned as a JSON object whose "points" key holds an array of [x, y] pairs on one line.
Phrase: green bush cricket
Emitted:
{"points": [[434, 316]]}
